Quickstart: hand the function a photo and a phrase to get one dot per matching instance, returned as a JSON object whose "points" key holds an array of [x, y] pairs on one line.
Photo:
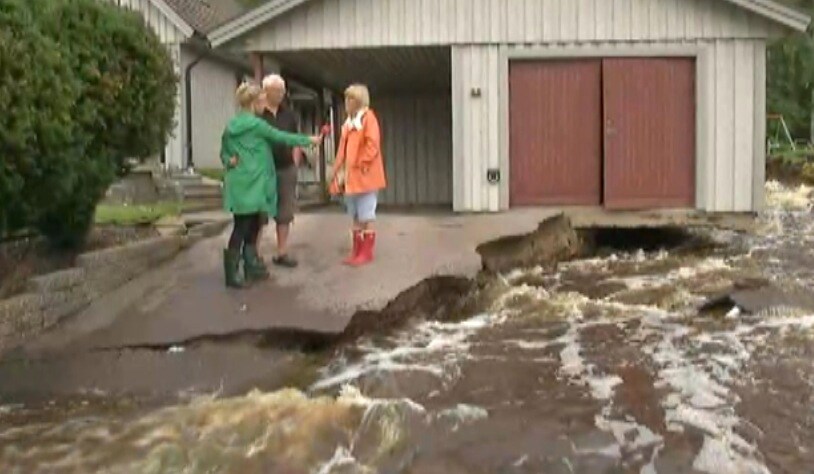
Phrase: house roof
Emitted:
{"points": [[267, 10], [204, 16]]}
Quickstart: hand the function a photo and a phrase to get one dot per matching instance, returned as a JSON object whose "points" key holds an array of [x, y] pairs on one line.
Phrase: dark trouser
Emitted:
{"points": [[245, 231], [286, 195]]}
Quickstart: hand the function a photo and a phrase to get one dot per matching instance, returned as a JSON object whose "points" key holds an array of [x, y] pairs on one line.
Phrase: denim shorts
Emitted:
{"points": [[362, 207]]}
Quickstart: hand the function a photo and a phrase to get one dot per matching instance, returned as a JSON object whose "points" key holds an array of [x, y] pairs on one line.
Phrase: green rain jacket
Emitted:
{"points": [[251, 186]]}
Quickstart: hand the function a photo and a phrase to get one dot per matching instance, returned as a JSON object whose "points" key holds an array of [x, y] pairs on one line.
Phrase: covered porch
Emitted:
{"points": [[410, 93]]}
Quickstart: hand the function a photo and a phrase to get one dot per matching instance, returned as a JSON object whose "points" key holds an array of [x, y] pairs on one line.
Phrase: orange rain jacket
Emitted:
{"points": [[360, 152]]}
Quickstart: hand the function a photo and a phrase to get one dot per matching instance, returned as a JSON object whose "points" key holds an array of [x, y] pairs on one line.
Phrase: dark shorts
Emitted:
{"points": [[286, 195]]}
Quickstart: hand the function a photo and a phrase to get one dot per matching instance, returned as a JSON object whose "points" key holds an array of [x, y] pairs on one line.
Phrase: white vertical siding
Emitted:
{"points": [[167, 32], [730, 135], [174, 151], [213, 104], [417, 148], [476, 126], [724, 122], [736, 132], [759, 146], [371, 23]]}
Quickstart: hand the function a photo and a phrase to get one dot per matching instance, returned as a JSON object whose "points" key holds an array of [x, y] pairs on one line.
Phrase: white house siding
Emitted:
{"points": [[731, 129], [417, 149], [731, 85], [213, 104], [174, 151], [361, 23]]}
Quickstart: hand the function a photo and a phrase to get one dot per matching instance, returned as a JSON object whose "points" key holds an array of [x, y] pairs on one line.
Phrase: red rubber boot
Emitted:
{"points": [[357, 246], [366, 250]]}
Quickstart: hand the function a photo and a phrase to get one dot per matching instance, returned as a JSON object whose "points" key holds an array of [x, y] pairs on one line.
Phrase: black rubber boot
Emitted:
{"points": [[254, 267], [231, 269]]}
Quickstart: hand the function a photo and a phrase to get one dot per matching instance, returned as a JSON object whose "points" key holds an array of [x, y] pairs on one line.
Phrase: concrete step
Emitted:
{"points": [[202, 192], [187, 179], [199, 205]]}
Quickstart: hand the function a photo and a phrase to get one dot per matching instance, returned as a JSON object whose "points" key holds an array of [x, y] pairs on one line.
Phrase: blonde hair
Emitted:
{"points": [[360, 93], [247, 93]]}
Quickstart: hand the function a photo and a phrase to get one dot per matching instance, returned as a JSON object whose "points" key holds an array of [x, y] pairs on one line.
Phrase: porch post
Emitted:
{"points": [[257, 65]]}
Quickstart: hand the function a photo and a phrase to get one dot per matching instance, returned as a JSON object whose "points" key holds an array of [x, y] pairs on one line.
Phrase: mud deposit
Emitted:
{"points": [[691, 358]]}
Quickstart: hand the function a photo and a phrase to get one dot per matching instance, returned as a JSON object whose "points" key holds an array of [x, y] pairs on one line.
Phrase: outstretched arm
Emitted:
{"points": [[276, 136]]}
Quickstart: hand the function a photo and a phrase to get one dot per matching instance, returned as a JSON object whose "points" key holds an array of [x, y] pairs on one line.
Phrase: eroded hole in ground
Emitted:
{"points": [[604, 240]]}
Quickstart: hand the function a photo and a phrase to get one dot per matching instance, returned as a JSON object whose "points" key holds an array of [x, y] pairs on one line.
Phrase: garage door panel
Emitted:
{"points": [[556, 132], [649, 110]]}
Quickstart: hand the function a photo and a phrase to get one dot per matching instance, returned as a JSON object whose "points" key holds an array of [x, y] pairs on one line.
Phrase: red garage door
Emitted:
{"points": [[555, 132], [649, 107]]}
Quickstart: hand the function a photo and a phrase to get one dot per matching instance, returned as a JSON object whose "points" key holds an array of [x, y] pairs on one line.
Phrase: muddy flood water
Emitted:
{"points": [[613, 364]]}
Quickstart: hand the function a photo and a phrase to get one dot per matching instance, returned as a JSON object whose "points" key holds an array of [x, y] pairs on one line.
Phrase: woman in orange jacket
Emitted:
{"points": [[359, 169]]}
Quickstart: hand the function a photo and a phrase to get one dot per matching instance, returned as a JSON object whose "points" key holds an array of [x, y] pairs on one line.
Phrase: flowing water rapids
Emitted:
{"points": [[606, 365]]}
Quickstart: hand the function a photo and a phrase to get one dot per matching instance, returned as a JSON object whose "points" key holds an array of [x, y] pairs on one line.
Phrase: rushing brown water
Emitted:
{"points": [[604, 365]]}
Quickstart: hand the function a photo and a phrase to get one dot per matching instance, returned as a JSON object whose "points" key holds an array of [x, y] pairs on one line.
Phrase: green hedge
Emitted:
{"points": [[84, 86]]}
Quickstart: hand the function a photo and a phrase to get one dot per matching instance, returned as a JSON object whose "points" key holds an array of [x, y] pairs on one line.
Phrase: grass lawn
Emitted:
{"points": [[107, 214]]}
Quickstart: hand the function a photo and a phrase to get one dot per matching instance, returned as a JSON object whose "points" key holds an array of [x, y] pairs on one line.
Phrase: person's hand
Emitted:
{"points": [[316, 140], [233, 161]]}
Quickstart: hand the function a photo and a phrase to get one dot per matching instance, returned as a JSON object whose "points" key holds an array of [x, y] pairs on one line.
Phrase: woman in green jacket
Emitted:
{"points": [[250, 183]]}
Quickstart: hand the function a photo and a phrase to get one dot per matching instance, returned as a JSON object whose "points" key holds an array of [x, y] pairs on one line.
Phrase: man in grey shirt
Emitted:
{"points": [[286, 161]]}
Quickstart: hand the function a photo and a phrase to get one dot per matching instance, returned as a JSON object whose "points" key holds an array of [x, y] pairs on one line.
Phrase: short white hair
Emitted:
{"points": [[273, 80]]}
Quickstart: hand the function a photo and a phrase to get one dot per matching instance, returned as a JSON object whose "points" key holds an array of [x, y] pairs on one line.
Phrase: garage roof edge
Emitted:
{"points": [[769, 9], [777, 12], [176, 20]]}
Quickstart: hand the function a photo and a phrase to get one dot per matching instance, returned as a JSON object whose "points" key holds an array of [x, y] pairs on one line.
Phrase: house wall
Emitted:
{"points": [[213, 104], [370, 23], [728, 41], [417, 148], [174, 151], [730, 95]]}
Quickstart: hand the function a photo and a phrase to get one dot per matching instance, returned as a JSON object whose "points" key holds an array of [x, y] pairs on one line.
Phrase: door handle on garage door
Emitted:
{"points": [[609, 128]]}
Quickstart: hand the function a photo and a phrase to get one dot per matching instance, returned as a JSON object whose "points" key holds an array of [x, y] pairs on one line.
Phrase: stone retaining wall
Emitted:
{"points": [[52, 297]]}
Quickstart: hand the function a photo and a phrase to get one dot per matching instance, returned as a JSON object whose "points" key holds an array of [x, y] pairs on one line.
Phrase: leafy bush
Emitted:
{"points": [[38, 136], [790, 76], [122, 106]]}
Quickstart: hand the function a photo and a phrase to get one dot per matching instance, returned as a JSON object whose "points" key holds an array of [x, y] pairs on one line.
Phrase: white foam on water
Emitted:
{"points": [[530, 345], [718, 457], [602, 387], [629, 435], [696, 368], [462, 414], [705, 265], [343, 459], [781, 197], [414, 350]]}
